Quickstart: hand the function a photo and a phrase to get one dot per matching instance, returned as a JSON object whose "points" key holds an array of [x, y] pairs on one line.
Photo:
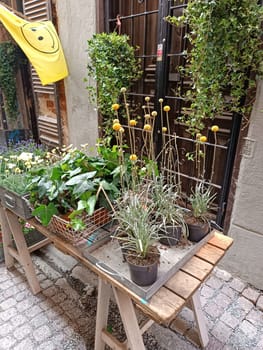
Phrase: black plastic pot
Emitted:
{"points": [[198, 231], [143, 275], [171, 235]]}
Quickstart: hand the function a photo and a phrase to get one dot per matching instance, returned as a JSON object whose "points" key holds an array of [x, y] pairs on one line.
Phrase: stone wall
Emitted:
{"points": [[76, 24], [245, 258]]}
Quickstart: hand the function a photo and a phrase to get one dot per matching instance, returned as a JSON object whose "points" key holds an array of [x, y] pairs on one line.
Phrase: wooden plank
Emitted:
{"points": [[198, 268], [14, 253], [24, 256], [163, 306], [7, 239], [129, 320], [221, 241], [210, 254], [104, 293], [199, 318], [39, 245], [180, 325], [111, 341], [183, 284]]}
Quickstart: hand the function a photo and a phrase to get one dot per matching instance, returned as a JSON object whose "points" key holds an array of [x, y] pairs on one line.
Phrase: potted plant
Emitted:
{"points": [[69, 191], [169, 214], [138, 231], [197, 219]]}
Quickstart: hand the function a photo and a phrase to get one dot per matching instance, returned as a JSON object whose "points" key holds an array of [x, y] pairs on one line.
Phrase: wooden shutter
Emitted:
{"points": [[48, 126]]}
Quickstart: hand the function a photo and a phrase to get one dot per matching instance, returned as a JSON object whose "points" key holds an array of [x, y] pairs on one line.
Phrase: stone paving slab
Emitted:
{"points": [[62, 316]]}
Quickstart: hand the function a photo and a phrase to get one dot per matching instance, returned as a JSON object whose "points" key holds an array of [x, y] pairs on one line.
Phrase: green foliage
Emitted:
{"points": [[201, 199], [113, 65], [165, 197], [17, 164], [72, 185], [8, 67], [135, 215], [226, 38]]}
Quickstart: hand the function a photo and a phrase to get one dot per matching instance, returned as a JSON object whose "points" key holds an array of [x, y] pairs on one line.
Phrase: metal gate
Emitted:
{"points": [[162, 51]]}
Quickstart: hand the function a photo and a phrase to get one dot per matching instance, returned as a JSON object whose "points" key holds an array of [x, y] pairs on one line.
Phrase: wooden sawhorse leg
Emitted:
{"points": [[199, 319], [11, 226], [128, 316]]}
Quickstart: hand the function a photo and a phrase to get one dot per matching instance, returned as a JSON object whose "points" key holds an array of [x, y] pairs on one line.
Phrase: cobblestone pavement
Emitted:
{"points": [[62, 316]]}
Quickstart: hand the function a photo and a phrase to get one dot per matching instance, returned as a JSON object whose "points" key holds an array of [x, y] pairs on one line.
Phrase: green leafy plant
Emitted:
{"points": [[136, 220], [225, 37], [167, 209], [72, 186], [201, 200], [8, 68], [112, 65]]}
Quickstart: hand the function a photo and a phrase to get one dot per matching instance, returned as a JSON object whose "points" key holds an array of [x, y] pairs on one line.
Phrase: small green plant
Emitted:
{"points": [[167, 209], [112, 65], [201, 200], [135, 217]]}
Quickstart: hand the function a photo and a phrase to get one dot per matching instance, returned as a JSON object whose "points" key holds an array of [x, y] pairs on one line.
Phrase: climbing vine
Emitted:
{"points": [[113, 65], [225, 37], [8, 67]]}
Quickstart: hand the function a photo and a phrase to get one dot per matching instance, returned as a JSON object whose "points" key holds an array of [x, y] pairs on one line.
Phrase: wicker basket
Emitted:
{"points": [[62, 228]]}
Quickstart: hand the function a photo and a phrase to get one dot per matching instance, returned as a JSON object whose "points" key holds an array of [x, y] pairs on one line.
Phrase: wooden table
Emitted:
{"points": [[180, 291]]}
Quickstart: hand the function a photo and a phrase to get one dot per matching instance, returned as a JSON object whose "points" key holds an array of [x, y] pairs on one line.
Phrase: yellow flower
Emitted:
{"points": [[203, 138], [154, 113], [115, 106], [166, 108], [115, 121], [147, 98], [123, 90], [116, 126], [133, 122], [147, 116], [133, 157], [198, 135], [121, 130], [161, 100], [147, 127], [215, 128], [17, 170], [164, 129]]}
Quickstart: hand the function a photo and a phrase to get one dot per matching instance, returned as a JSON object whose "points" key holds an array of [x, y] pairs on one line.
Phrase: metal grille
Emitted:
{"points": [[162, 51]]}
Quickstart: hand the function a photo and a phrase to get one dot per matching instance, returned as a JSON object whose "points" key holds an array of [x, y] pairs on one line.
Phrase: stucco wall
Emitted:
{"points": [[245, 258], [76, 24]]}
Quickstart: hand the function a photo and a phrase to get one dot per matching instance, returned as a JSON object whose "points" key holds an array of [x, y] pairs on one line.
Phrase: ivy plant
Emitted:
{"points": [[225, 37], [113, 65], [8, 68]]}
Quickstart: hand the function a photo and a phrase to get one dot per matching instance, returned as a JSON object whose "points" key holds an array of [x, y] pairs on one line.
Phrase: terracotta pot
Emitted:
{"points": [[198, 231], [171, 235]]}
